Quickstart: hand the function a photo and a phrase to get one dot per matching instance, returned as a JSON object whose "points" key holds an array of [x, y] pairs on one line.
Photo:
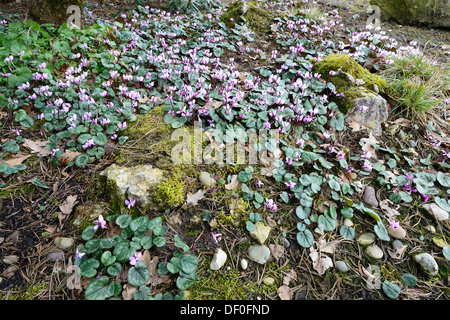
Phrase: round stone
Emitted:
{"points": [[427, 263], [218, 260], [259, 253], [397, 233], [366, 238], [269, 281], [244, 264], [374, 251], [64, 243], [206, 179], [342, 266]]}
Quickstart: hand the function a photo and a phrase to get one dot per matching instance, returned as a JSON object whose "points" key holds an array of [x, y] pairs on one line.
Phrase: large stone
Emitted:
{"points": [[261, 232], [369, 196], [53, 11], [437, 212], [259, 253], [433, 13], [370, 111], [366, 238], [352, 82], [134, 182], [258, 18], [219, 259], [427, 263], [374, 251]]}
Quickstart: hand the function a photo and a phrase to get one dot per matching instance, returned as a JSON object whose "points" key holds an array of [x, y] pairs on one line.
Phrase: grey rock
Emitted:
{"points": [[342, 266], [206, 179], [12, 259], [437, 212], [375, 114], [64, 243], [427, 263], [366, 239], [55, 256], [259, 253], [219, 259], [397, 244], [134, 182], [369, 196], [434, 13], [374, 251], [261, 232], [397, 233]]}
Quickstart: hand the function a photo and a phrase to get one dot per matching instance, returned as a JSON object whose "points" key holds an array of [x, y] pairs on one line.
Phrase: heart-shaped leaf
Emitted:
{"points": [[138, 274], [99, 289], [107, 258]]}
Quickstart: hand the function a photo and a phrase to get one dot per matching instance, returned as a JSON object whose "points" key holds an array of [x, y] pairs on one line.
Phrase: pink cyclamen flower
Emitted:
{"points": [[130, 203], [215, 236], [134, 259], [394, 224], [259, 183], [425, 197], [290, 185], [100, 223], [79, 254]]}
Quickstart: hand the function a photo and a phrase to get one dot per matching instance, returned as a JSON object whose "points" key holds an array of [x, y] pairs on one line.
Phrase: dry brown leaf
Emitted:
{"points": [[68, 156], [285, 293], [277, 250], [289, 277], [127, 293], [68, 205], [397, 253], [213, 104], [327, 247], [16, 160], [38, 147], [193, 198], [368, 144], [355, 126], [233, 184], [321, 262]]}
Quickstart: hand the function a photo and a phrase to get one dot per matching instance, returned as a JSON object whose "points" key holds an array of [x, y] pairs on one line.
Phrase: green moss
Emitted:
{"points": [[171, 192], [232, 285], [257, 18], [28, 293], [345, 65]]}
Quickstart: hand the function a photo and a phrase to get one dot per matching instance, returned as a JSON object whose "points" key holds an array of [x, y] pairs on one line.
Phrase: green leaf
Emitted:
{"points": [[180, 244], [139, 224], [156, 225], [347, 212], [107, 258], [159, 241], [305, 238], [88, 233], [185, 281], [88, 268], [138, 274], [146, 242], [446, 252], [391, 289], [99, 289], [10, 146], [114, 269], [409, 279], [143, 293], [444, 204], [250, 226], [381, 231], [123, 221], [443, 179], [82, 160], [347, 232], [39, 183], [188, 263], [326, 222]]}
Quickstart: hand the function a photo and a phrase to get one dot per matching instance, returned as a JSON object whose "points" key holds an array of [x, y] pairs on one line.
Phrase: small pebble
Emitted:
{"points": [[369, 196], [374, 251], [218, 260], [55, 256], [366, 238], [244, 264], [427, 263], [64, 243], [397, 233], [206, 179], [269, 281], [10, 259], [342, 266]]}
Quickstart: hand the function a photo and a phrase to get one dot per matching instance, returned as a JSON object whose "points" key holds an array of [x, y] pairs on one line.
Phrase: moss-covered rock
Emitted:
{"points": [[258, 19], [53, 11], [349, 77], [434, 13]]}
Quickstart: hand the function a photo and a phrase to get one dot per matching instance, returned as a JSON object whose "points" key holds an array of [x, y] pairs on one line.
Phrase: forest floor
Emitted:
{"points": [[30, 218]]}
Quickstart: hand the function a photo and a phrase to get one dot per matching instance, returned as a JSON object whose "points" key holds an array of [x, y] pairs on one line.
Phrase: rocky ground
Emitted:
{"points": [[41, 227]]}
